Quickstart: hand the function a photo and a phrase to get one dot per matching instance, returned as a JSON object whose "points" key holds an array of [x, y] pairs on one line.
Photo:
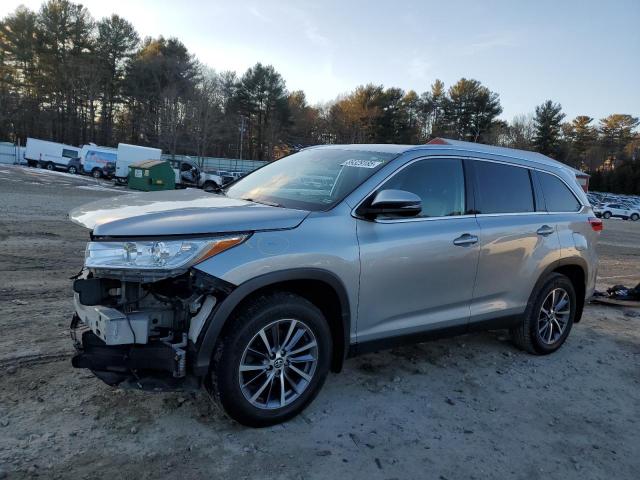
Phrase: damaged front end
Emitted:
{"points": [[138, 327]]}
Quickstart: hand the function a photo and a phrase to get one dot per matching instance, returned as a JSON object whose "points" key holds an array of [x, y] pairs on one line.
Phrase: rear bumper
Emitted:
{"points": [[155, 366]]}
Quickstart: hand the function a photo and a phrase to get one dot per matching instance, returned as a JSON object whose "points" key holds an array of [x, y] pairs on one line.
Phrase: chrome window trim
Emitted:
{"points": [[510, 214], [416, 219], [457, 157]]}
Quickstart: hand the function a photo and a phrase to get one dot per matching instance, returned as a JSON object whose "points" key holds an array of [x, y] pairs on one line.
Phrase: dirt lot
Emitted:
{"points": [[469, 407]]}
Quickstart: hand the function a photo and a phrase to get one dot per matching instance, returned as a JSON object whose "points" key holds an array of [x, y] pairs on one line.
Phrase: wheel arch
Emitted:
{"points": [[574, 268], [321, 287]]}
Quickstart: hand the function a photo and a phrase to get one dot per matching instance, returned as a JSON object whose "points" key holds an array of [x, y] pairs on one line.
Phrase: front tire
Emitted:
{"points": [[548, 318], [606, 215], [211, 187], [272, 361], [96, 173], [635, 217]]}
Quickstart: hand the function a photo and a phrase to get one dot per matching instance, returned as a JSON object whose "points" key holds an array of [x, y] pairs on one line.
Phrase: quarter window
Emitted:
{"points": [[502, 188], [438, 182], [557, 195]]}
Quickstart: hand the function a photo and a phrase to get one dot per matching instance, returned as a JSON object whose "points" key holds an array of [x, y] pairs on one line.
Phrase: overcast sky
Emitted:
{"points": [[584, 54]]}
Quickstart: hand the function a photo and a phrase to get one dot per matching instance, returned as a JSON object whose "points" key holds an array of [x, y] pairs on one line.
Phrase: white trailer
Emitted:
{"points": [[51, 155], [128, 154]]}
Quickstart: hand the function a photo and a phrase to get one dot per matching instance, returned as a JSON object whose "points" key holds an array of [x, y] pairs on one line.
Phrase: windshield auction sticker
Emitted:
{"points": [[361, 163]]}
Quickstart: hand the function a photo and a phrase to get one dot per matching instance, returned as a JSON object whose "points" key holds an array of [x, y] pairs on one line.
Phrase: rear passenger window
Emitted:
{"points": [[557, 195], [502, 188], [438, 182]]}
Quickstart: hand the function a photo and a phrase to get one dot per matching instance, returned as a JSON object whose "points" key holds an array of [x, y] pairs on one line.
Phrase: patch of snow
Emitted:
{"points": [[100, 187]]}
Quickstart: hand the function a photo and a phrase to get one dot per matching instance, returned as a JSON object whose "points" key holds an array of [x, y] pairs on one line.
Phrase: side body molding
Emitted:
{"points": [[214, 324]]}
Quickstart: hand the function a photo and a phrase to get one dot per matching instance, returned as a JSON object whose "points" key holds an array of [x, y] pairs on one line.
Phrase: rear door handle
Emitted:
{"points": [[465, 240], [545, 230]]}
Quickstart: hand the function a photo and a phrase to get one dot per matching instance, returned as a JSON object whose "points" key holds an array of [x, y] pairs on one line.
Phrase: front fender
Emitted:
{"points": [[205, 345]]}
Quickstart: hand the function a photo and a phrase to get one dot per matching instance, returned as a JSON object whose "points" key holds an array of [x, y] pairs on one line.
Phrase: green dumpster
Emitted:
{"points": [[151, 175]]}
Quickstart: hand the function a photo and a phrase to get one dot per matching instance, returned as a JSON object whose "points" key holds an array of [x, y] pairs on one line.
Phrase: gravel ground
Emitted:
{"points": [[468, 407]]}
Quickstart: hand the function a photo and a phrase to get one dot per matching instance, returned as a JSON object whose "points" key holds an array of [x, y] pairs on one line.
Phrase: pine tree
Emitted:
{"points": [[582, 137], [547, 122], [471, 110]]}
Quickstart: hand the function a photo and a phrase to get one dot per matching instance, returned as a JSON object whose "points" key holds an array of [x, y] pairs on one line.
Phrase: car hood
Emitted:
{"points": [[181, 212]]}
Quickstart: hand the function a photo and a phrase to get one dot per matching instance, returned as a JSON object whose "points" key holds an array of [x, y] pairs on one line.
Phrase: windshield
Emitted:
{"points": [[315, 179]]}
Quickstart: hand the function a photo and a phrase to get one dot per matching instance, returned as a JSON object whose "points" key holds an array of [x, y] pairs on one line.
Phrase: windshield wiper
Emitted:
{"points": [[263, 202]]}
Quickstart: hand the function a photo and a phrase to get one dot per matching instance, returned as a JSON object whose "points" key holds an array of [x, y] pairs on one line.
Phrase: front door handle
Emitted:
{"points": [[545, 230], [465, 240]]}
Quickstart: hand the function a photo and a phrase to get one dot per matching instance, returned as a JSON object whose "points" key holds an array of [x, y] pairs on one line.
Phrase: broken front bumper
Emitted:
{"points": [[154, 366]]}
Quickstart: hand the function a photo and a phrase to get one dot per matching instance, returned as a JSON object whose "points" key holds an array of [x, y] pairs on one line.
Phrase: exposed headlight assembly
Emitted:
{"points": [[156, 255]]}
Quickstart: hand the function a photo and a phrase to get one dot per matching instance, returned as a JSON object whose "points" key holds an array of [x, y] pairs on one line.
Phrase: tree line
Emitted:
{"points": [[68, 77]]}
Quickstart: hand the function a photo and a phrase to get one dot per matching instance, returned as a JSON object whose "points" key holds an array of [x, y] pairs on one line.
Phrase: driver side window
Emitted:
{"points": [[439, 182]]}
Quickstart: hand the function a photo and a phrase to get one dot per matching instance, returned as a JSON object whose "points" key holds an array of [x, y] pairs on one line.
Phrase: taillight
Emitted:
{"points": [[596, 224]]}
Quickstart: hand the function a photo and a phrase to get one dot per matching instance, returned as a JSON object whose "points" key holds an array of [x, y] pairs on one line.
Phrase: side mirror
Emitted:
{"points": [[393, 202]]}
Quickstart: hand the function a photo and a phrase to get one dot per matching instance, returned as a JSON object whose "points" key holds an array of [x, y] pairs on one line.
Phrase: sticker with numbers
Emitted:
{"points": [[361, 163]]}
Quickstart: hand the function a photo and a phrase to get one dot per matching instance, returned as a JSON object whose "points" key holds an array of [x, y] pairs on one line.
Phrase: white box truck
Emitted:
{"points": [[52, 155], [128, 154]]}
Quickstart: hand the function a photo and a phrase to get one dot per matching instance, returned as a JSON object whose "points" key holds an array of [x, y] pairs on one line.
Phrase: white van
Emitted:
{"points": [[128, 154], [51, 155], [98, 161]]}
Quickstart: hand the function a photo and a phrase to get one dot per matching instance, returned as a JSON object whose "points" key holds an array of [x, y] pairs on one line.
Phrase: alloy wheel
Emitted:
{"points": [[278, 364], [554, 316]]}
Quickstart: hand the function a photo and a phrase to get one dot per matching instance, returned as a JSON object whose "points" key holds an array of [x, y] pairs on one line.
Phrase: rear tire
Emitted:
{"points": [[635, 217], [548, 318], [72, 170], [50, 166], [285, 392], [606, 215]]}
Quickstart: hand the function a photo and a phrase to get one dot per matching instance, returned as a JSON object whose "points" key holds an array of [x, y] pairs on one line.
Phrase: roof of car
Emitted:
{"points": [[368, 147], [446, 143], [509, 152]]}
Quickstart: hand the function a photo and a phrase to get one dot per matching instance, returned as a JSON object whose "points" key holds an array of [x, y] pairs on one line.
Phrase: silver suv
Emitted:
{"points": [[257, 292]]}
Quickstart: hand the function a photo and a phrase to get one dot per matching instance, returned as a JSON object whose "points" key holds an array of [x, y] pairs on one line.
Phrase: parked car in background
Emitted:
{"points": [[74, 166], [226, 177], [257, 293], [619, 210], [189, 175], [51, 155]]}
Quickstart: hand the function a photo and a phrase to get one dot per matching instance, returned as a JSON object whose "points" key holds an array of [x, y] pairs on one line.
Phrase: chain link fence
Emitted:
{"points": [[11, 154], [214, 163]]}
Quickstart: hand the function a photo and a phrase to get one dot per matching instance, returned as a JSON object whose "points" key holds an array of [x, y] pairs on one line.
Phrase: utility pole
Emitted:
{"points": [[242, 119]]}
